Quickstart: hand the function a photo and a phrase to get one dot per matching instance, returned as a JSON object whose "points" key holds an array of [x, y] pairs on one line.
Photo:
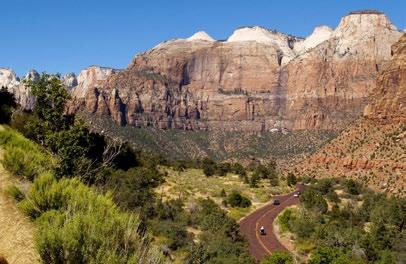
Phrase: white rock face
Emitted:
{"points": [[319, 35], [22, 94], [89, 78], [70, 80], [261, 35], [359, 28], [8, 78], [32, 75], [201, 36]]}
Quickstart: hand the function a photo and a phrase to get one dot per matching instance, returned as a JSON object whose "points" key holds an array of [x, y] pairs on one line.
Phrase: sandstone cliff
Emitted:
{"points": [[372, 149], [257, 80]]}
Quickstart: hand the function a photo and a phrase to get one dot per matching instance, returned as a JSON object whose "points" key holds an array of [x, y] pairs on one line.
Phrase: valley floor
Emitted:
{"points": [[16, 231]]}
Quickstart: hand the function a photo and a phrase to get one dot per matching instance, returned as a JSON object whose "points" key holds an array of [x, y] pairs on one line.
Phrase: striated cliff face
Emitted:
{"points": [[388, 103], [372, 149], [257, 80]]}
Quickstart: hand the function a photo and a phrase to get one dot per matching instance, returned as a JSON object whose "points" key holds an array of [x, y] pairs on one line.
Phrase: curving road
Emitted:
{"points": [[261, 246]]}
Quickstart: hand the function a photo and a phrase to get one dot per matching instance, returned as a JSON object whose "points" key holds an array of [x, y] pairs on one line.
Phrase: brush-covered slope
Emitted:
{"points": [[373, 149]]}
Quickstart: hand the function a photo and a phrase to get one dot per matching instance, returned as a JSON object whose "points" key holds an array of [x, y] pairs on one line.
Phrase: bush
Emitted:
{"points": [[291, 179], [15, 193], [77, 225], [235, 199], [285, 219], [313, 199], [353, 187], [22, 157], [278, 258]]}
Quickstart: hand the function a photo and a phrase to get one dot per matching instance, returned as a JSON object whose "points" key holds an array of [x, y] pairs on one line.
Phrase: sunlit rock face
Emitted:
{"points": [[22, 94], [256, 80]]}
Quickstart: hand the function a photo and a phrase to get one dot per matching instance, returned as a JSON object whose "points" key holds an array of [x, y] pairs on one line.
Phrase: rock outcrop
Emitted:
{"points": [[22, 94], [257, 80], [70, 80], [373, 149]]}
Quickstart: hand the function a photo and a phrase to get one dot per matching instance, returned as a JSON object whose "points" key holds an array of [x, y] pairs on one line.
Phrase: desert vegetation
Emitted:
{"points": [[341, 221]]}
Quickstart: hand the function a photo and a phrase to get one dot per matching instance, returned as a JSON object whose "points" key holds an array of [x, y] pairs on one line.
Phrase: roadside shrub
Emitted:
{"points": [[285, 219], [278, 257], [22, 157], [235, 199], [77, 225], [313, 199], [291, 179], [14, 192]]}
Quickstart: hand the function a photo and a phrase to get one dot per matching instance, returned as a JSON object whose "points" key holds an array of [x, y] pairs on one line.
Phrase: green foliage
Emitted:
{"points": [[353, 187], [133, 189], [285, 219], [278, 257], [14, 192], [291, 179], [22, 157], [235, 199], [314, 200], [7, 104], [77, 225], [221, 241], [51, 98]]}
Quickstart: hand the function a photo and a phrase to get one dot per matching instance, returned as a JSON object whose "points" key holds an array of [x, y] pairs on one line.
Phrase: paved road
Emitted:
{"points": [[262, 245]]}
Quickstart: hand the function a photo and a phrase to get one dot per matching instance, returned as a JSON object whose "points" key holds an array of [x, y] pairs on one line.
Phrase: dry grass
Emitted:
{"points": [[192, 184], [16, 231]]}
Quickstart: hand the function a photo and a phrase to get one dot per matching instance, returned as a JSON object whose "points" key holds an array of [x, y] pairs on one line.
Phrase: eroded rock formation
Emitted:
{"points": [[257, 80]]}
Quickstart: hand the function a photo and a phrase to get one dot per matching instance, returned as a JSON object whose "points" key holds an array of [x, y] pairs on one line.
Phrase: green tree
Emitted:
{"points": [[291, 179], [313, 199], [278, 257], [51, 98], [235, 199], [7, 103]]}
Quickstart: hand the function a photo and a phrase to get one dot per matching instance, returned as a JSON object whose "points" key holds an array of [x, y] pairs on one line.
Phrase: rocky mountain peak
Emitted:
{"points": [[320, 34], [89, 78], [8, 78], [284, 42], [32, 75], [369, 22], [70, 80], [201, 36]]}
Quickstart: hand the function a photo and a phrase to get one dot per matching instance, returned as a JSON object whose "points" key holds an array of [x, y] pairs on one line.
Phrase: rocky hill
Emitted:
{"points": [[373, 149], [256, 80]]}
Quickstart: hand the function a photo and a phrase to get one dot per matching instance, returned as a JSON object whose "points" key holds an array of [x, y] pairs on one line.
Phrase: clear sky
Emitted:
{"points": [[69, 35]]}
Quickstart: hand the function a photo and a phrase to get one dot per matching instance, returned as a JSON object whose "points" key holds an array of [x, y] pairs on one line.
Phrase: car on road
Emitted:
{"points": [[276, 202], [296, 194]]}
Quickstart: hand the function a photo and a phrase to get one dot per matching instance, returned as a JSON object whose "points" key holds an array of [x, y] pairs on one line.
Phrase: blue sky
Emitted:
{"points": [[69, 35]]}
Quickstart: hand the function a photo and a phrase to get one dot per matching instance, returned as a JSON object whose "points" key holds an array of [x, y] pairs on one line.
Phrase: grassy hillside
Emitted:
{"points": [[191, 185], [16, 231]]}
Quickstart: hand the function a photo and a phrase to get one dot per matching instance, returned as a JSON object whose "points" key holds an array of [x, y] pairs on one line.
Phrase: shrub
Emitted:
{"points": [[313, 199], [3, 260], [15, 193], [353, 187], [23, 157], [291, 179], [77, 225], [278, 257], [285, 219], [235, 199]]}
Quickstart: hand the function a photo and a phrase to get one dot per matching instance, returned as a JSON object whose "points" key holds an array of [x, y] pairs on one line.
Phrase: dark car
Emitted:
{"points": [[276, 202]]}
